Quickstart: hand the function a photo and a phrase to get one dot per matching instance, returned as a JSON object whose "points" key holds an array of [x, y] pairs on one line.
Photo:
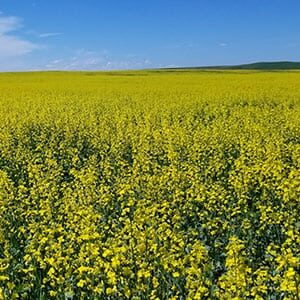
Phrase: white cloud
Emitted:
{"points": [[223, 44], [37, 34], [91, 60], [169, 66], [11, 45], [8, 24], [15, 44], [49, 34], [185, 45]]}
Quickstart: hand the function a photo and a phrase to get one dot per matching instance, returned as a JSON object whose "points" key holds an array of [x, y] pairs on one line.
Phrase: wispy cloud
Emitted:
{"points": [[49, 34], [169, 66], [15, 43], [92, 60], [186, 45], [11, 44], [37, 34], [8, 23], [223, 44]]}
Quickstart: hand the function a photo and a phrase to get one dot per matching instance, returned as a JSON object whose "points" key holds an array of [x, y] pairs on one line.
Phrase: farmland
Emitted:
{"points": [[150, 185]]}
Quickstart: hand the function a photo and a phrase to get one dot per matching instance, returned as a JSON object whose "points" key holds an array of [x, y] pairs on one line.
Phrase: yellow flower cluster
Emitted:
{"points": [[150, 185]]}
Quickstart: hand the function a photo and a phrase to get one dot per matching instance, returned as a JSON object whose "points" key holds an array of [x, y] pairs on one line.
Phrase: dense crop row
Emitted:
{"points": [[150, 185]]}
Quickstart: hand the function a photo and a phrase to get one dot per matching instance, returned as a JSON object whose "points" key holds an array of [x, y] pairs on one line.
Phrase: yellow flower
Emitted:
{"points": [[53, 293], [176, 274], [3, 278], [81, 283]]}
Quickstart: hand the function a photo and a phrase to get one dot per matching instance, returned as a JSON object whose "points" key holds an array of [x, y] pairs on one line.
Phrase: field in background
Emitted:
{"points": [[150, 185]]}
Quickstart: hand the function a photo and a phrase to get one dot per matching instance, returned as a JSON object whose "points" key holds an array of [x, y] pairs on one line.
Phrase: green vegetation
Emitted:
{"points": [[267, 66]]}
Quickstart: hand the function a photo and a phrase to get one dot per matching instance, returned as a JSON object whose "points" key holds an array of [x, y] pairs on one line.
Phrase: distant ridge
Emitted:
{"points": [[279, 65]]}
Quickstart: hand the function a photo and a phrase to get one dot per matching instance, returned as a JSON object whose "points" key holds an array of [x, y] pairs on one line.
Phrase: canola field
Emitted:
{"points": [[150, 185]]}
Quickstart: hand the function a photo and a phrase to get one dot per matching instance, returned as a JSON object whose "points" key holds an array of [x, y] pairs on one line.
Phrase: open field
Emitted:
{"points": [[150, 185]]}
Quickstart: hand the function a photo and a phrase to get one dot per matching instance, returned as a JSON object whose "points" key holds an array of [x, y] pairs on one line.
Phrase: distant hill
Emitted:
{"points": [[280, 65]]}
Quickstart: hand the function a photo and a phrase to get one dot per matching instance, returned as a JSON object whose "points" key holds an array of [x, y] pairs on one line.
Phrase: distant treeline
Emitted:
{"points": [[283, 65]]}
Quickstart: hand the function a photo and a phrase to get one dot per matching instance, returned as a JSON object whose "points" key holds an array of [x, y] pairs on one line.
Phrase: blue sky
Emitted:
{"points": [[133, 34]]}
